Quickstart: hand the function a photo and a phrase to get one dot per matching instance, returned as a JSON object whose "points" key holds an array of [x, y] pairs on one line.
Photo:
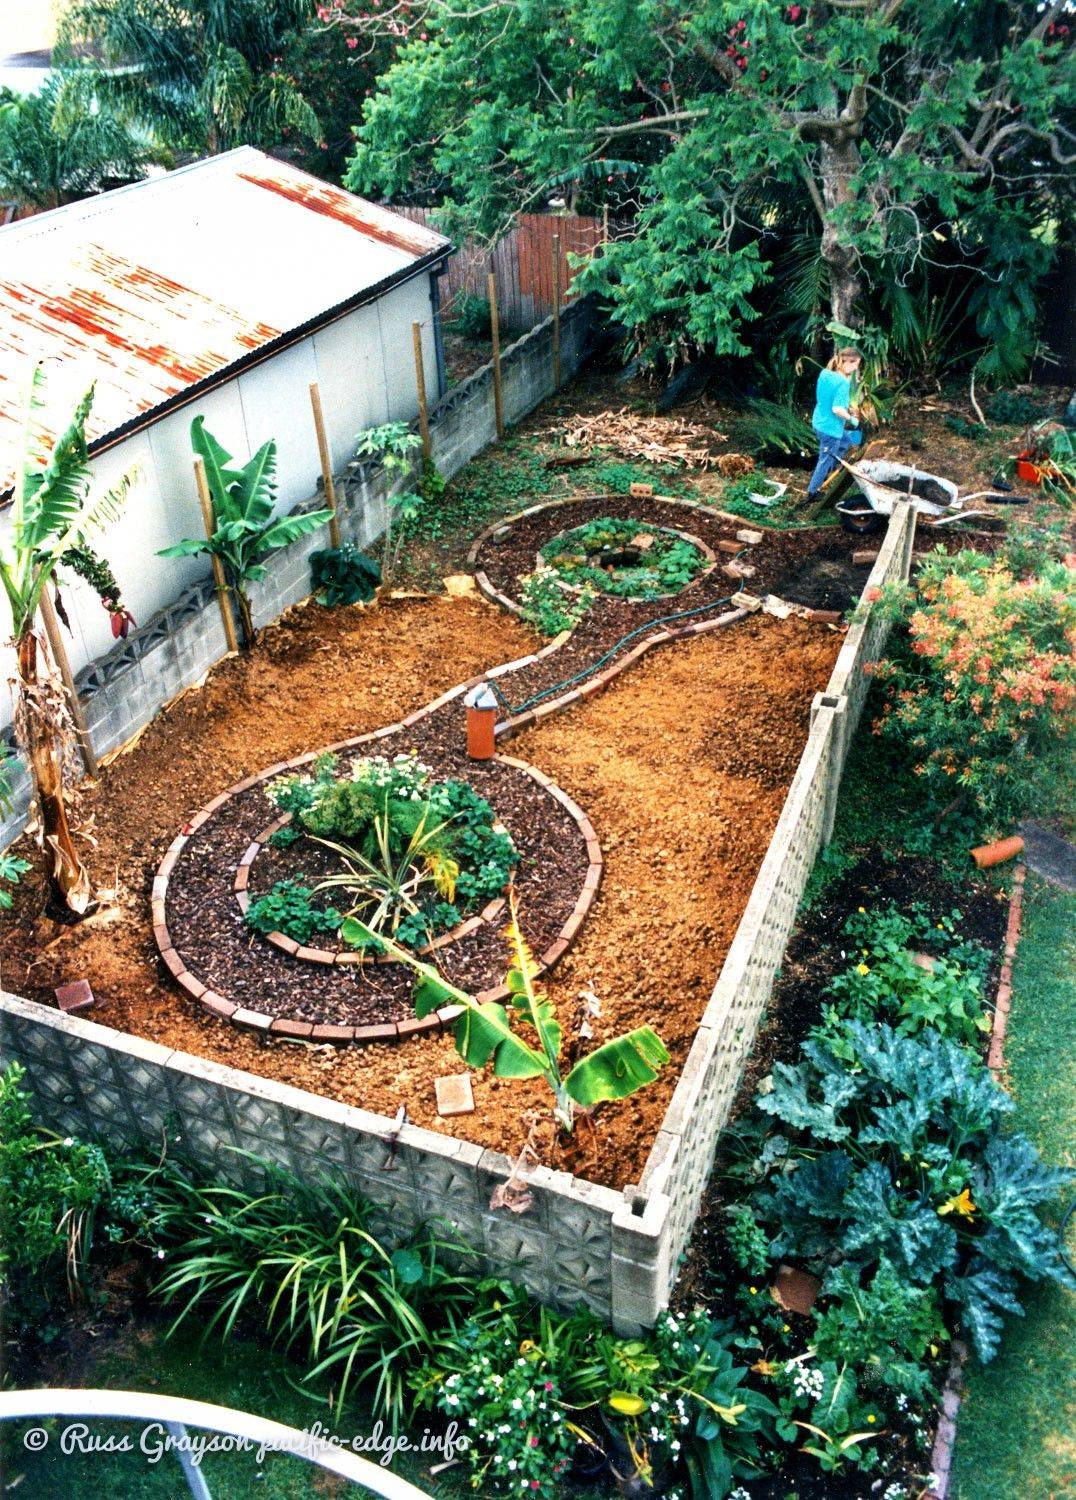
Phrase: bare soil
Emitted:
{"points": [[681, 764]]}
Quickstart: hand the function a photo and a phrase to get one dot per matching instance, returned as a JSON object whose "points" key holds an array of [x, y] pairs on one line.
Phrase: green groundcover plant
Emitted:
{"points": [[414, 854], [666, 562], [910, 971]]}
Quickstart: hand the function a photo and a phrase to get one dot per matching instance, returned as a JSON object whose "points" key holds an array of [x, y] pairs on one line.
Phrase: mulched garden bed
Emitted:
{"points": [[208, 930]]}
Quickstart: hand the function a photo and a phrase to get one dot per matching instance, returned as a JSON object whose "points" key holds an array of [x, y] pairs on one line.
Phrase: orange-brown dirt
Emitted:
{"points": [[682, 764]]}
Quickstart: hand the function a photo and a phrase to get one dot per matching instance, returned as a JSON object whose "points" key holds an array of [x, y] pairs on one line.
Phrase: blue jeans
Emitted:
{"points": [[830, 449]]}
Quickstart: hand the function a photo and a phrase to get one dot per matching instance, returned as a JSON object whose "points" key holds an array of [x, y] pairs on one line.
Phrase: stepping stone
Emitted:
{"points": [[75, 997], [748, 537], [1049, 855], [454, 1095]]}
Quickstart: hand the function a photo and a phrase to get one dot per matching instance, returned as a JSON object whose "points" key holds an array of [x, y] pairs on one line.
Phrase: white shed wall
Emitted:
{"points": [[365, 366]]}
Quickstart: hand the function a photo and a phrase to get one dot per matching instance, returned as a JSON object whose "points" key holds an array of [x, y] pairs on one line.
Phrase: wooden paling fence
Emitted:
{"points": [[521, 262]]}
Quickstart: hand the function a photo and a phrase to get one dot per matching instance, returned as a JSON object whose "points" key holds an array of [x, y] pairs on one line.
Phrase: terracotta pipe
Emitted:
{"points": [[988, 855]]}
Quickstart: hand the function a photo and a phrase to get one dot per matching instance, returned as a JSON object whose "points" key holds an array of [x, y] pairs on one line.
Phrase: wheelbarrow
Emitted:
{"points": [[882, 483]]}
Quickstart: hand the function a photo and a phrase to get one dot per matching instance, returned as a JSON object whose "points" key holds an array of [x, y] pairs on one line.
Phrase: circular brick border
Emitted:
{"points": [[489, 914], [503, 526], [685, 536], [392, 1031]]}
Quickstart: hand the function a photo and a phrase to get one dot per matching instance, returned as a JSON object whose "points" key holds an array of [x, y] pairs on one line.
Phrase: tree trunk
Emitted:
{"points": [[67, 877], [246, 619], [840, 164]]}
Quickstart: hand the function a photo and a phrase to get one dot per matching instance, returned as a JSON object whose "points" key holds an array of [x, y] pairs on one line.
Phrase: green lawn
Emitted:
{"points": [[1016, 1436], [240, 1374]]}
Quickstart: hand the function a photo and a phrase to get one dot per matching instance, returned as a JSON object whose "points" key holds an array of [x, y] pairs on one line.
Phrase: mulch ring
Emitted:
{"points": [[206, 927], [813, 568]]}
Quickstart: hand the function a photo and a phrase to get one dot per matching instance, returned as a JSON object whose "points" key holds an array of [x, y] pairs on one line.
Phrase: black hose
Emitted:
{"points": [[513, 710]]}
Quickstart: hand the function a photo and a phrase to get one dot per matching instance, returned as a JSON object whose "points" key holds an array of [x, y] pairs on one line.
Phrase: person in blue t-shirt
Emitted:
{"points": [[835, 418]]}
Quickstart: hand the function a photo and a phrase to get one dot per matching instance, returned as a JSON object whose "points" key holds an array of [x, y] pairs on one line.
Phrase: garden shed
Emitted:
{"points": [[221, 289]]}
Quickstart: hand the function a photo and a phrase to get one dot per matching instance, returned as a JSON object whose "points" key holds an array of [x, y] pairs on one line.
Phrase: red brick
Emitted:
{"points": [[416, 1026], [725, 545], [448, 1015], [75, 997], [281, 940], [172, 962], [324, 1032], [218, 1005], [242, 877], [384, 1033], [191, 984], [282, 1026], [315, 955], [454, 1094], [554, 951]]}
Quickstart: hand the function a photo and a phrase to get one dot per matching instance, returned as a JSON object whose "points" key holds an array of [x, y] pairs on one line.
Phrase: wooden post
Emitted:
{"points": [[556, 312], [495, 331], [326, 462], [59, 652], [420, 382], [218, 567], [605, 224]]}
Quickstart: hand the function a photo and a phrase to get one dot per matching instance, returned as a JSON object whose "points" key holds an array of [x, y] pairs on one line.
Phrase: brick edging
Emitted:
{"points": [[941, 1454], [389, 1031], [685, 536]]}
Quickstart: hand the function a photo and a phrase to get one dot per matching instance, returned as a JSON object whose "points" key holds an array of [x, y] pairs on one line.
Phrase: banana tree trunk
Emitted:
{"points": [[246, 618], [42, 725]]}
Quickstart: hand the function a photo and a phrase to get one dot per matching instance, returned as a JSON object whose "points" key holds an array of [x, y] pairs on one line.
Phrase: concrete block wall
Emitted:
{"points": [[576, 1242], [123, 690], [681, 1159]]}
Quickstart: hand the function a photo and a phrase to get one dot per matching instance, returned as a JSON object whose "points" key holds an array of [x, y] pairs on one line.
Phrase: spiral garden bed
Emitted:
{"points": [[231, 856]]}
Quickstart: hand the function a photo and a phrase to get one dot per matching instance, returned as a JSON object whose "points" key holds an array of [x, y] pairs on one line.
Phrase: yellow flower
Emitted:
{"points": [[754, 1291], [863, 910], [862, 969], [871, 1417], [960, 1204]]}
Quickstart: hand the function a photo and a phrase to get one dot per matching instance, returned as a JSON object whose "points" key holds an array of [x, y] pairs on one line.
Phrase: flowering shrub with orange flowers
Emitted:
{"points": [[980, 687]]}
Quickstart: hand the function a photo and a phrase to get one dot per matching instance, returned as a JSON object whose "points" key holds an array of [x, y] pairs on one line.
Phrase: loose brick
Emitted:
{"points": [[454, 1094], [315, 955], [282, 1026], [252, 1020], [325, 1032], [384, 1033], [75, 997], [218, 1006], [725, 544], [417, 1026]]}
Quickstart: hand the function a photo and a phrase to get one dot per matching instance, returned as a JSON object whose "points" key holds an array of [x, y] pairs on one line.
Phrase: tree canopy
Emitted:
{"points": [[204, 74], [57, 144], [899, 163]]}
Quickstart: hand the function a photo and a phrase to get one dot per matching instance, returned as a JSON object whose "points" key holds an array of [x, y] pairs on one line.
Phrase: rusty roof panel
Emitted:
{"points": [[154, 289]]}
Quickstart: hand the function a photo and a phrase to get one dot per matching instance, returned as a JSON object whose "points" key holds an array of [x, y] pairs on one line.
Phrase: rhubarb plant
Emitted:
{"points": [[486, 1031]]}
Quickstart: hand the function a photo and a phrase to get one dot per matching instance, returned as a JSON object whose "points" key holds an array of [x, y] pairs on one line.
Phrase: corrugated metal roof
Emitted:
{"points": [[155, 288]]}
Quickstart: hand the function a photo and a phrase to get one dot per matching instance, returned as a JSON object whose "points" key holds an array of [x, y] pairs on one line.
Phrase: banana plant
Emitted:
{"points": [[484, 1031], [244, 528], [52, 517]]}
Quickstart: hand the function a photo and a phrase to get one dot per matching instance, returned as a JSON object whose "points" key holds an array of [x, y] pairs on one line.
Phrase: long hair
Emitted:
{"points": [[842, 354]]}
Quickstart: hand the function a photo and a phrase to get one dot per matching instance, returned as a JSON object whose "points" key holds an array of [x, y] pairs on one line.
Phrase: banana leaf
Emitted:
{"points": [[618, 1068]]}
